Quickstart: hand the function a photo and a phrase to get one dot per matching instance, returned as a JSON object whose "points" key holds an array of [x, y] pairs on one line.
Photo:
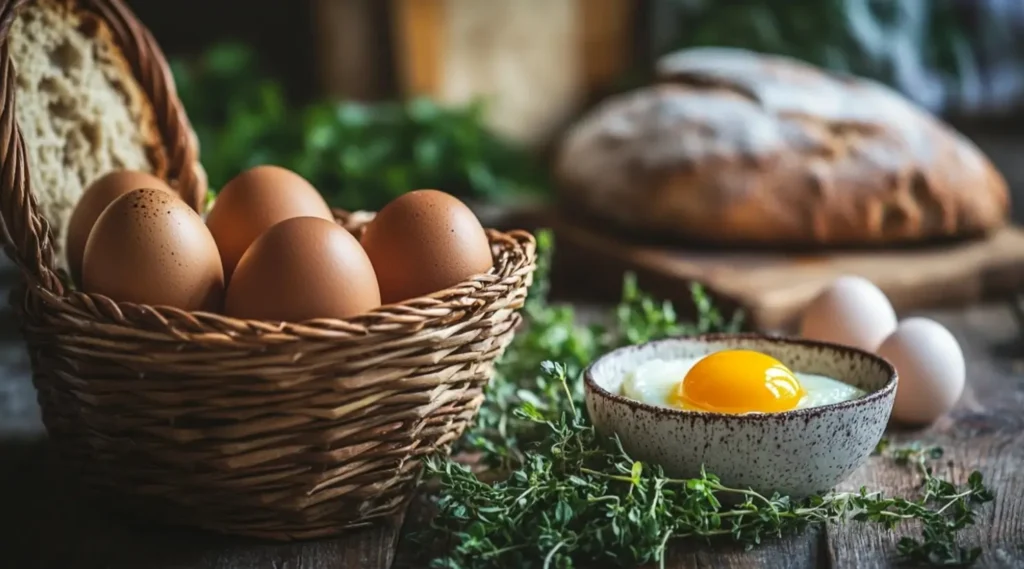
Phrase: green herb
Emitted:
{"points": [[845, 36], [577, 498], [571, 497], [938, 543], [359, 156]]}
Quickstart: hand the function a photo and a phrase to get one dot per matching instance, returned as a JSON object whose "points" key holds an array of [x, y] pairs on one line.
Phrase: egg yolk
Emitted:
{"points": [[739, 381]]}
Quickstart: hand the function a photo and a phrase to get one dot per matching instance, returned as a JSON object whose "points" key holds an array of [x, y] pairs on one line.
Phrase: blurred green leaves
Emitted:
{"points": [[930, 49], [359, 156], [843, 35]]}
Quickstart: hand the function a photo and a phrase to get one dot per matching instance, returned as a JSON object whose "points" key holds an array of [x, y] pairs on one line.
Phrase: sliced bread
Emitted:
{"points": [[80, 110]]}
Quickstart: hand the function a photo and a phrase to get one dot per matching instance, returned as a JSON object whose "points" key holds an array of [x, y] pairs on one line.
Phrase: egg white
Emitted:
{"points": [[654, 381]]}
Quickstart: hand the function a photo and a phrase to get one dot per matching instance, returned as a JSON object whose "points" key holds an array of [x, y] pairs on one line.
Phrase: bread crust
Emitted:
{"points": [[142, 107], [734, 147]]}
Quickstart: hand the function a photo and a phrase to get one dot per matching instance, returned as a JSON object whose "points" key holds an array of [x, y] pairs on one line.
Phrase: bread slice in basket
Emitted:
{"points": [[79, 107]]}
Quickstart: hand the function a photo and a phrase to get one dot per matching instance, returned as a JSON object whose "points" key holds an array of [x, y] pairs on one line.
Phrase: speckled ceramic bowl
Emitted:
{"points": [[797, 453]]}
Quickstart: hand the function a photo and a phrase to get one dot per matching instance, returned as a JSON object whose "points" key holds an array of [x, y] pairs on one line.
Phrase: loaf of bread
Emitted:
{"points": [[80, 110], [734, 147]]}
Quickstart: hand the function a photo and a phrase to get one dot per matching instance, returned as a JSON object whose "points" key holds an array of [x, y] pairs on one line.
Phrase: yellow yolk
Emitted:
{"points": [[738, 381]]}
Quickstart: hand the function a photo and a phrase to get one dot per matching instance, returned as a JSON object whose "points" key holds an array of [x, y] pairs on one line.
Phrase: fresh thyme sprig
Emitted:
{"points": [[569, 496], [579, 498], [937, 545]]}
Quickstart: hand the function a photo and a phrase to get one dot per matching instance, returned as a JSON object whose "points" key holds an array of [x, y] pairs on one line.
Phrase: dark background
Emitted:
{"points": [[281, 30]]}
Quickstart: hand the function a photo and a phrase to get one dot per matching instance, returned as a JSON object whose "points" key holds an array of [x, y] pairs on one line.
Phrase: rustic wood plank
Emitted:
{"points": [[795, 552], [774, 287], [999, 526]]}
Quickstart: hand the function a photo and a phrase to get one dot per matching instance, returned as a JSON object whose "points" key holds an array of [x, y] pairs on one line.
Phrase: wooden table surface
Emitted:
{"points": [[47, 525]]}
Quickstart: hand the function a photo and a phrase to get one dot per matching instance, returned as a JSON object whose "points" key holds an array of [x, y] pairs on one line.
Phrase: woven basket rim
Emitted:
{"points": [[29, 240], [515, 258]]}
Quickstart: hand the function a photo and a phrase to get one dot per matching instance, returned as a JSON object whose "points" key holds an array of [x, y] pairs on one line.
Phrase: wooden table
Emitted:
{"points": [[47, 526]]}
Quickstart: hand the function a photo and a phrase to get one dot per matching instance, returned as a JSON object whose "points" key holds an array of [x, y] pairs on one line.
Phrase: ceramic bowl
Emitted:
{"points": [[796, 453]]}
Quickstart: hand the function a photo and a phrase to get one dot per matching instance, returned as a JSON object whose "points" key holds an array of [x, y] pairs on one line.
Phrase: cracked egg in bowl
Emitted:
{"points": [[773, 414]]}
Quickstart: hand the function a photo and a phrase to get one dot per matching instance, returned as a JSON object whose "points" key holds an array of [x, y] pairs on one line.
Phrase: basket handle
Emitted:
{"points": [[151, 70], [28, 239], [27, 234]]}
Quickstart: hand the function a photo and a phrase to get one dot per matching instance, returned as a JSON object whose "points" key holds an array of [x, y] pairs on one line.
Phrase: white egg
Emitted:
{"points": [[931, 370], [851, 311], [654, 381]]}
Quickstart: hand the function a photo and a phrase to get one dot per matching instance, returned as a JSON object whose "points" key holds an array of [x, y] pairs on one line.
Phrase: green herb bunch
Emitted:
{"points": [[359, 156], [570, 497]]}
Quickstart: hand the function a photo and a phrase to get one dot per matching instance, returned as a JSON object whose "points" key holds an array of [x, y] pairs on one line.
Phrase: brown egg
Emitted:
{"points": [[423, 242], [300, 269], [149, 247], [94, 200], [253, 202]]}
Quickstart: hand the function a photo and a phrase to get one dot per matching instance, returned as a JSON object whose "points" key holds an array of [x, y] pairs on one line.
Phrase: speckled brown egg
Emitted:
{"points": [[300, 269], [94, 200], [423, 242], [253, 202], [149, 247]]}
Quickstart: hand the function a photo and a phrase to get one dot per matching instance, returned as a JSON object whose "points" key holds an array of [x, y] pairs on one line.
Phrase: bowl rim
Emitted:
{"points": [[885, 391]]}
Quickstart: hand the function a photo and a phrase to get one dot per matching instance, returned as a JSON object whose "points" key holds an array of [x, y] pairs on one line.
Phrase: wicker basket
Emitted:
{"points": [[274, 430]]}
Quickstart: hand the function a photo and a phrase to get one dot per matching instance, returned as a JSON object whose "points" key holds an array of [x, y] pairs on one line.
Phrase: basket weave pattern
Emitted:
{"points": [[276, 430]]}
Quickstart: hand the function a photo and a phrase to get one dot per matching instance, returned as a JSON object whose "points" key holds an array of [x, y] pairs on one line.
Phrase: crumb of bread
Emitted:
{"points": [[79, 108]]}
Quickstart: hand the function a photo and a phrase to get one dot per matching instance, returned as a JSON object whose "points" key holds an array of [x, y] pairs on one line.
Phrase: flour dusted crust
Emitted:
{"points": [[735, 147], [80, 110]]}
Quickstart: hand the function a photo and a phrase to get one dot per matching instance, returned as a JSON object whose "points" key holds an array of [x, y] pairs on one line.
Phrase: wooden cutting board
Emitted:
{"points": [[772, 288]]}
